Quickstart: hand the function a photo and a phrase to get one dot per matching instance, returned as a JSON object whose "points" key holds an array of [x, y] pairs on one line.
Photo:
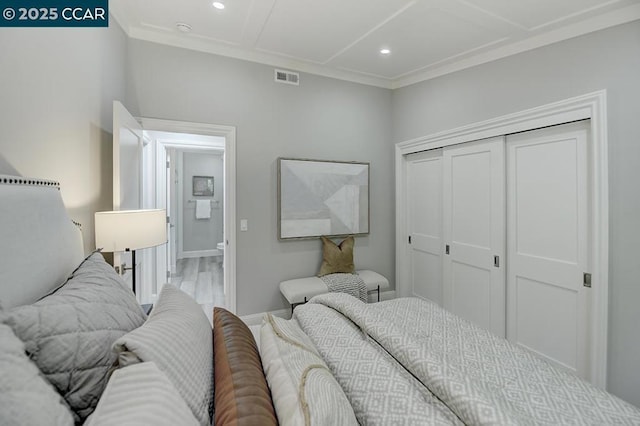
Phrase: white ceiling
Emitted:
{"points": [[342, 38]]}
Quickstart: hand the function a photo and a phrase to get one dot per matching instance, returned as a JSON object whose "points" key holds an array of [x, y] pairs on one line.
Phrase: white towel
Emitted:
{"points": [[203, 209]]}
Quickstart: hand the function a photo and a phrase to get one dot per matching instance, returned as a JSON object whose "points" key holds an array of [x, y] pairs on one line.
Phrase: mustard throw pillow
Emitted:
{"points": [[337, 258]]}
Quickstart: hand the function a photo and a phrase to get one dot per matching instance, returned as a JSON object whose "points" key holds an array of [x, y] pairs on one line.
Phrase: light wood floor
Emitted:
{"points": [[201, 278]]}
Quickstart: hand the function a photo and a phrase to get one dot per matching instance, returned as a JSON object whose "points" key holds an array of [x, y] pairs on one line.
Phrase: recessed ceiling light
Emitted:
{"points": [[385, 51], [183, 28], [218, 5]]}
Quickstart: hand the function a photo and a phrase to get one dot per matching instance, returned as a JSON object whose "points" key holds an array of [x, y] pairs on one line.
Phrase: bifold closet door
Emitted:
{"points": [[424, 201], [548, 244], [474, 232]]}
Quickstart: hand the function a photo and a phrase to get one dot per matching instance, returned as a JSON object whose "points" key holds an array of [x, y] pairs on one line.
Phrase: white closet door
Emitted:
{"points": [[548, 244], [424, 199], [474, 230]]}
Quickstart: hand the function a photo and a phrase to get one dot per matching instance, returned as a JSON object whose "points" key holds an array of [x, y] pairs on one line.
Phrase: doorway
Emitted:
{"points": [[190, 184], [192, 167]]}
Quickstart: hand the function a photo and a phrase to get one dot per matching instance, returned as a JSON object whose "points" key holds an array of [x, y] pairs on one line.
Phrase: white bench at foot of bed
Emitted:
{"points": [[300, 290]]}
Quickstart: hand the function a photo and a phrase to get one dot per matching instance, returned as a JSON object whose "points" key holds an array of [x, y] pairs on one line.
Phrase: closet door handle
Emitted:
{"points": [[496, 261], [446, 249]]}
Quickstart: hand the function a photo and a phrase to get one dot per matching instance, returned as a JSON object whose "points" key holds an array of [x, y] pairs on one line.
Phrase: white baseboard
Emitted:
{"points": [[199, 253], [256, 319]]}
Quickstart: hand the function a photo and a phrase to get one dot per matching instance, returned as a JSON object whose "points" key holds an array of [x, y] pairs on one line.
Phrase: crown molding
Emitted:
{"points": [[600, 22], [461, 62], [202, 44]]}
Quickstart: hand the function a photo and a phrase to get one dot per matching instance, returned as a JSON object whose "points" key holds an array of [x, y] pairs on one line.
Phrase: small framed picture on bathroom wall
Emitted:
{"points": [[203, 186]]}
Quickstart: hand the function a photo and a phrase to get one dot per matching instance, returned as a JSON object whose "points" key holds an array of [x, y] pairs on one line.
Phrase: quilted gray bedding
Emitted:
{"points": [[408, 361]]}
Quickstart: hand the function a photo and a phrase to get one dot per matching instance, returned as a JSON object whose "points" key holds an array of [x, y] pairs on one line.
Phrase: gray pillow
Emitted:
{"points": [[25, 397], [69, 333], [177, 337]]}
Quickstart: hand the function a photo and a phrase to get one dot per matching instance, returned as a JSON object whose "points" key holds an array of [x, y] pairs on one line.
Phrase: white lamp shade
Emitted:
{"points": [[130, 229]]}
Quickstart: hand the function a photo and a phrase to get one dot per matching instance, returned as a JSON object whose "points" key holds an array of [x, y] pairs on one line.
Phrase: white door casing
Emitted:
{"points": [[127, 169], [424, 198], [229, 206], [549, 244], [474, 231]]}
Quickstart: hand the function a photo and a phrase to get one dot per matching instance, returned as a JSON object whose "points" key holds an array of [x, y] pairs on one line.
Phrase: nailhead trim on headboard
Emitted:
{"points": [[15, 180], [28, 181]]}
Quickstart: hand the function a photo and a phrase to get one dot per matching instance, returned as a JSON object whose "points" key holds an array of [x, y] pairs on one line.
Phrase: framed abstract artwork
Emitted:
{"points": [[315, 198]]}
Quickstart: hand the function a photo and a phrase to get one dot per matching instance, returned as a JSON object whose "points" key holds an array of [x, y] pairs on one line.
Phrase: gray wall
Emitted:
{"points": [[202, 234], [608, 59], [321, 119], [57, 87], [56, 111]]}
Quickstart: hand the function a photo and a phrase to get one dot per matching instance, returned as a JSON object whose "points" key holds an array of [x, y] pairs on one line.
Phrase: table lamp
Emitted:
{"points": [[130, 230]]}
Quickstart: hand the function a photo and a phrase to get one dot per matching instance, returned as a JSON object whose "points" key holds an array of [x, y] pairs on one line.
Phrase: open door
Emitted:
{"points": [[163, 191], [172, 191], [127, 171]]}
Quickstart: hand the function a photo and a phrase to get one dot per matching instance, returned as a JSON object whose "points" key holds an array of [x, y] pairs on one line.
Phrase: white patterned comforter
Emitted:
{"points": [[408, 361]]}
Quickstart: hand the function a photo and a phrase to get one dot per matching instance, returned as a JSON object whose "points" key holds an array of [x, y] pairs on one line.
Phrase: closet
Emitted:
{"points": [[498, 233]]}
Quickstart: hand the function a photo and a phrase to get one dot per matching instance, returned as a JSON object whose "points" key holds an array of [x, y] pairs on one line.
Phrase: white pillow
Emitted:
{"points": [[26, 398], [140, 395], [178, 338], [303, 390]]}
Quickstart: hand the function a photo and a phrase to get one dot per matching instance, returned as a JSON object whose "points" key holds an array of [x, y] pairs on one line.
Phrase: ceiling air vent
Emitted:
{"points": [[287, 77]]}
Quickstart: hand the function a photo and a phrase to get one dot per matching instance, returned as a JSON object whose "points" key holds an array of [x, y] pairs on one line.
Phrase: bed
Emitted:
{"points": [[76, 348], [408, 361]]}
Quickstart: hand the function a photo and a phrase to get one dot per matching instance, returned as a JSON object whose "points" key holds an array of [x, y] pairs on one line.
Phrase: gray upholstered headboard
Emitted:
{"points": [[39, 244]]}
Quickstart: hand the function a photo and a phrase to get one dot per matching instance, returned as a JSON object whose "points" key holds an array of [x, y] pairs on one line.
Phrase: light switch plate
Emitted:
{"points": [[244, 226]]}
